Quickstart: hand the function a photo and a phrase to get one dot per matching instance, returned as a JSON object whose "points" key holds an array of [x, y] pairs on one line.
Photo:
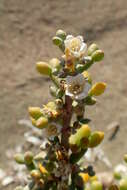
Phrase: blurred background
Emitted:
{"points": [[26, 31]]}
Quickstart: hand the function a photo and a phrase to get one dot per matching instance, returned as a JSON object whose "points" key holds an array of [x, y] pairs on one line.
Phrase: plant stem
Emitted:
{"points": [[67, 114]]}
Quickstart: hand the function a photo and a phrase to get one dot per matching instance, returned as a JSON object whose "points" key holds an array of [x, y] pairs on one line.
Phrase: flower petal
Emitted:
{"points": [[83, 47], [80, 38]]}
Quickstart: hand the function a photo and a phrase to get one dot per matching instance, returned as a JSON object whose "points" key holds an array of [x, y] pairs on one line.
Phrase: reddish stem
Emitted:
{"points": [[67, 114]]}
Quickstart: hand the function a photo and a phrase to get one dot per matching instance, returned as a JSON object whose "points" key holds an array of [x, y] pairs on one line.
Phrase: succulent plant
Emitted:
{"points": [[68, 132]]}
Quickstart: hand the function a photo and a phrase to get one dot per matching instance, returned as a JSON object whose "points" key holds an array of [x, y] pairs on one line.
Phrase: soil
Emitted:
{"points": [[26, 30]]}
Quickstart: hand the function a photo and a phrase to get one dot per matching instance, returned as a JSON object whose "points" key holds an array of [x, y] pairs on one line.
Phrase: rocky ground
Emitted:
{"points": [[26, 30]]}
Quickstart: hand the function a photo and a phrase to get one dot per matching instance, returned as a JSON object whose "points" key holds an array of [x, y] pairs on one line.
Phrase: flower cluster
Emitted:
{"points": [[67, 130]]}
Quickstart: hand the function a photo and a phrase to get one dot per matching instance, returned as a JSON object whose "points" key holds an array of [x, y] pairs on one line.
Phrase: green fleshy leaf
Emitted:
{"points": [[75, 157], [19, 158], [90, 100], [84, 121], [61, 34]]}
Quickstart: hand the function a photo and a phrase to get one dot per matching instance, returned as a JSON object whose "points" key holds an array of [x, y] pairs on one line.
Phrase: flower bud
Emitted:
{"points": [[92, 48], [57, 41], [35, 112], [42, 122], [55, 63], [43, 68], [95, 138], [61, 34], [98, 55], [36, 174], [125, 158], [28, 157], [53, 91], [96, 185], [97, 89], [19, 158], [82, 132], [123, 184]]}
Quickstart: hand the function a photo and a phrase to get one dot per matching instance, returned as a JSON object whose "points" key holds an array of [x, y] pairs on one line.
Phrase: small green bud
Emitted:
{"points": [[36, 174], [57, 41], [117, 175], [55, 63], [35, 112], [95, 139], [42, 122], [98, 55], [19, 158], [28, 157], [92, 48], [43, 68], [83, 132], [53, 91], [123, 184], [96, 185], [62, 34], [125, 158]]}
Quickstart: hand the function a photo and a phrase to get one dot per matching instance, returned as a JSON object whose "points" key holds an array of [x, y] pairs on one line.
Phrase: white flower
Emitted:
{"points": [[75, 46], [52, 130], [77, 87]]}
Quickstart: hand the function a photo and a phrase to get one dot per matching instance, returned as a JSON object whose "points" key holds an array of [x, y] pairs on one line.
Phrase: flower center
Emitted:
{"points": [[76, 88], [75, 44]]}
